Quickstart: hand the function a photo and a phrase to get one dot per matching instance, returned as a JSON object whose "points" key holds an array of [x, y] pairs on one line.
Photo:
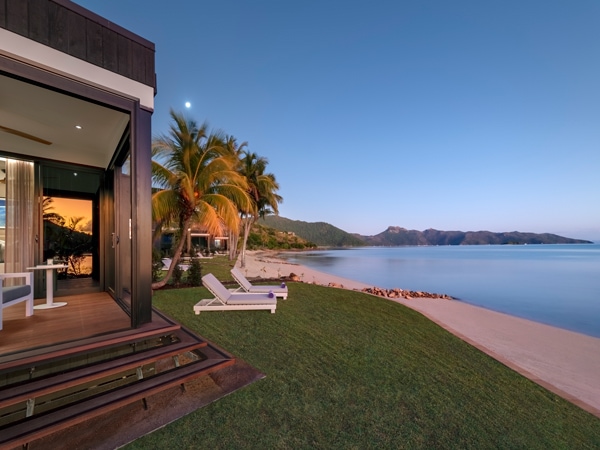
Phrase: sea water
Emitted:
{"points": [[557, 285]]}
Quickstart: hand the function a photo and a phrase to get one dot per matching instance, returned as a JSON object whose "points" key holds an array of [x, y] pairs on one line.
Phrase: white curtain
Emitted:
{"points": [[20, 206]]}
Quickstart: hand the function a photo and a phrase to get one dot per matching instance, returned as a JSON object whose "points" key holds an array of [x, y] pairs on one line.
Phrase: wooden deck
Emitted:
{"points": [[84, 316], [66, 367]]}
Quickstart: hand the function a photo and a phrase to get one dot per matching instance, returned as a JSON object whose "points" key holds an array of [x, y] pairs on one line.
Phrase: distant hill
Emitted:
{"points": [[394, 236], [262, 236], [320, 233], [326, 235]]}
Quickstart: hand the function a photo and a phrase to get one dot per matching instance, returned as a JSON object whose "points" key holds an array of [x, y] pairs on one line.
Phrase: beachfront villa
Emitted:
{"points": [[198, 240], [76, 100]]}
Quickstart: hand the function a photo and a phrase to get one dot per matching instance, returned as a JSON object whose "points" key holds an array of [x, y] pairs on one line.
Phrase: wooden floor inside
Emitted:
{"points": [[74, 286], [85, 315]]}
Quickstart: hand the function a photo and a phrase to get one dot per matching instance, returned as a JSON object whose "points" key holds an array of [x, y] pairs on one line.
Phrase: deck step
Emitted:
{"points": [[39, 407], [35, 357], [43, 425], [59, 361], [44, 386]]}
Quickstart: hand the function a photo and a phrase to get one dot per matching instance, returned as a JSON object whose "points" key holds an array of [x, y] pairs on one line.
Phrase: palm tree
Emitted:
{"points": [[262, 188], [50, 215], [197, 182], [236, 149]]}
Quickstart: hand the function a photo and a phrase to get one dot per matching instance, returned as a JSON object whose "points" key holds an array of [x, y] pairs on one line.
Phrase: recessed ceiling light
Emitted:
{"points": [[79, 127]]}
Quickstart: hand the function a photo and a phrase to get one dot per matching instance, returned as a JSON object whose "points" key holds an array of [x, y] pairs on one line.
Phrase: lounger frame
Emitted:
{"points": [[225, 300], [245, 285]]}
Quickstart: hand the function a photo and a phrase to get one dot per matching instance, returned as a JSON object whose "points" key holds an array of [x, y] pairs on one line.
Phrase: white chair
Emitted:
{"points": [[11, 295], [279, 290], [226, 300]]}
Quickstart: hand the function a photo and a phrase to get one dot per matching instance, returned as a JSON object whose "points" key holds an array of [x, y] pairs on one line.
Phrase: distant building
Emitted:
{"points": [[198, 241]]}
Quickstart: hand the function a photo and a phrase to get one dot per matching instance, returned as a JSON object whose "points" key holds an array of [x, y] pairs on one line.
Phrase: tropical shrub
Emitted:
{"points": [[195, 273], [177, 274]]}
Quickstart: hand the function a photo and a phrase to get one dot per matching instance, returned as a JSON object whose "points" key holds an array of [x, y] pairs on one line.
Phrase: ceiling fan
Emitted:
{"points": [[24, 135]]}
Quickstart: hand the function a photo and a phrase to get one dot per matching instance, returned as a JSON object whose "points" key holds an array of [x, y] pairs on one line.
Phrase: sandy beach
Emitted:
{"points": [[562, 361]]}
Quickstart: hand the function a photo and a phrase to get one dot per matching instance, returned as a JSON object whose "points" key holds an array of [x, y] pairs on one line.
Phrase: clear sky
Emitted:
{"points": [[454, 115]]}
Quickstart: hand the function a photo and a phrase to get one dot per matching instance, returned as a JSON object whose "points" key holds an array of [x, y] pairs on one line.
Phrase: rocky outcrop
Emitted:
{"points": [[401, 293], [387, 293]]}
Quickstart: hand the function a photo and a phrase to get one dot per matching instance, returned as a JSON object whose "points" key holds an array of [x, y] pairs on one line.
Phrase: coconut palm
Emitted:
{"points": [[236, 149], [197, 183], [50, 215], [262, 188]]}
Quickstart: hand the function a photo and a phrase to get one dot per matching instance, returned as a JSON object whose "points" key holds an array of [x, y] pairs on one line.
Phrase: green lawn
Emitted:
{"points": [[348, 370]]}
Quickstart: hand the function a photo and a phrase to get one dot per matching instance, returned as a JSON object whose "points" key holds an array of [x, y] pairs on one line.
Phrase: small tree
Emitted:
{"points": [[69, 242], [177, 274], [195, 272], [157, 264]]}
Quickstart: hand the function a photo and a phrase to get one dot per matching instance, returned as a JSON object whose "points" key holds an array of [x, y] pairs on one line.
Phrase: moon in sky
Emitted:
{"points": [[188, 104]]}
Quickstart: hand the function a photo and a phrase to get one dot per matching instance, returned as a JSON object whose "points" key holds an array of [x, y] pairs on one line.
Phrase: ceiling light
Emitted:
{"points": [[79, 127]]}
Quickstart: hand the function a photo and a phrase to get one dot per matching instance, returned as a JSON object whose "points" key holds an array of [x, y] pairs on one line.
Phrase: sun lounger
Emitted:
{"points": [[279, 290], [232, 301], [167, 264]]}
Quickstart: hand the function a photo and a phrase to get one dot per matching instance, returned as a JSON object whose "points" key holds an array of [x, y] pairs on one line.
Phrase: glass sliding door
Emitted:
{"points": [[118, 219]]}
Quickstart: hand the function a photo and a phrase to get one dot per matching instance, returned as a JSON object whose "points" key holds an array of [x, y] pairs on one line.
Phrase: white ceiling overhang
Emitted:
{"points": [[43, 123]]}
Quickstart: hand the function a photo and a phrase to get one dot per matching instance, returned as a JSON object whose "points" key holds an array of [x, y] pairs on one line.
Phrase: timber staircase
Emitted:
{"points": [[41, 394]]}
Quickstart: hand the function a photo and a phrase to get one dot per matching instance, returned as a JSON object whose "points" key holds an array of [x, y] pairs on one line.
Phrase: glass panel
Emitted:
{"points": [[70, 232], [123, 218]]}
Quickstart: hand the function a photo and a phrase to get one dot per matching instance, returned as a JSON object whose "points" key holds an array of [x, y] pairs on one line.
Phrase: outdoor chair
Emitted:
{"points": [[279, 290], [226, 300], [11, 295]]}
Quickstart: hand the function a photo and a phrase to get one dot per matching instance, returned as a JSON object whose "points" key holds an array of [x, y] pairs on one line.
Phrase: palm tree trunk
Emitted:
{"points": [[247, 221], [233, 241], [176, 257], [156, 235]]}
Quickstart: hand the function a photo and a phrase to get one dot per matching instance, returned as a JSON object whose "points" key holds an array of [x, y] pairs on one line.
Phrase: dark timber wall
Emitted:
{"points": [[69, 28]]}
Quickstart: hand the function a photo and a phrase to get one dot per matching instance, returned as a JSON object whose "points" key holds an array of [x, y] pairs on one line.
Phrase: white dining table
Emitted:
{"points": [[50, 303]]}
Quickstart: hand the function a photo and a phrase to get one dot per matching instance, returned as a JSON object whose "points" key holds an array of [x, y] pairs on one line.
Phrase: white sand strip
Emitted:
{"points": [[562, 361], [265, 264]]}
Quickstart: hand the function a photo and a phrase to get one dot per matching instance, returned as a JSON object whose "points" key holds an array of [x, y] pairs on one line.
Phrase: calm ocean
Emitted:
{"points": [[557, 285]]}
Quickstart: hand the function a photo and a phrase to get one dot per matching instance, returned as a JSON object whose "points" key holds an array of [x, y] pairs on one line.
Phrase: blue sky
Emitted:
{"points": [[454, 115]]}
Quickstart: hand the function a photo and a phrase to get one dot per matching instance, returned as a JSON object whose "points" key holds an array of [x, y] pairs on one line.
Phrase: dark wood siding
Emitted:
{"points": [[16, 16], [71, 29], [57, 28], [94, 42], [38, 23], [77, 35]]}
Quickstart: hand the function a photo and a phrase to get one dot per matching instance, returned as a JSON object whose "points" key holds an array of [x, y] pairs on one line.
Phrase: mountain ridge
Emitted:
{"points": [[326, 235], [396, 236]]}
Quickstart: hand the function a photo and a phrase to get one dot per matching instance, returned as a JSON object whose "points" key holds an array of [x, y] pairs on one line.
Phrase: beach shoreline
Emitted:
{"points": [[562, 361]]}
